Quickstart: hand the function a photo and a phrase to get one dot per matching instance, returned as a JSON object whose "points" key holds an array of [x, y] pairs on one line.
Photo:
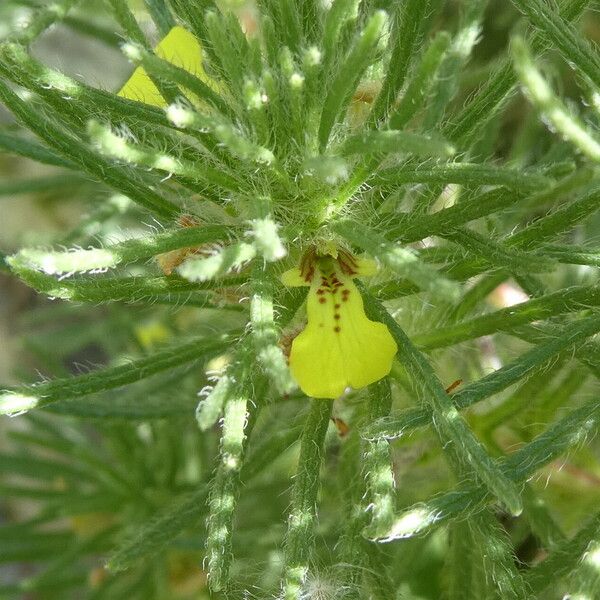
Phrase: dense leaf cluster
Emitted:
{"points": [[448, 141]]}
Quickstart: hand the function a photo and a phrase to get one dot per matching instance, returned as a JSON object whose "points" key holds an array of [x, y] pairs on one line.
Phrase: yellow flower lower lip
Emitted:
{"points": [[339, 347]]}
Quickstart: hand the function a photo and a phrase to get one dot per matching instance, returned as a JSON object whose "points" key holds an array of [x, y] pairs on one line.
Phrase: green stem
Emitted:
{"points": [[299, 544], [225, 487], [381, 492]]}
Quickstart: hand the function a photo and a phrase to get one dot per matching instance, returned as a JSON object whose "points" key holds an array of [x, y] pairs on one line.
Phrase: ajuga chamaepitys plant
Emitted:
{"points": [[333, 274]]}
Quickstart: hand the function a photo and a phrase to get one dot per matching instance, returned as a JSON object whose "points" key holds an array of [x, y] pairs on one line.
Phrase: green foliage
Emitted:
{"points": [[455, 143]]}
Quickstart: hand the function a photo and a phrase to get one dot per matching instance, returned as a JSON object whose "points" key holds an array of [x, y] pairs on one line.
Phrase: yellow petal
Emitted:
{"points": [[356, 266], [293, 278], [340, 347], [180, 48]]}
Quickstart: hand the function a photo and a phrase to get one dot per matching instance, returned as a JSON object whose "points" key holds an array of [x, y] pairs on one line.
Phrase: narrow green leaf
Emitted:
{"points": [[570, 337], [405, 262], [464, 174], [572, 299], [558, 221], [347, 77], [47, 185], [221, 262], [421, 82], [341, 15], [573, 255], [570, 431], [14, 144], [25, 398], [497, 254], [159, 532], [287, 21], [552, 108], [74, 150], [161, 15], [225, 486], [396, 142], [115, 146], [44, 18], [133, 290], [492, 544], [416, 226], [490, 97], [42, 546], [97, 32], [449, 424], [93, 259], [41, 469], [299, 542], [378, 466], [574, 47], [411, 18], [578, 556], [127, 21], [464, 574], [455, 60], [265, 334], [229, 44]]}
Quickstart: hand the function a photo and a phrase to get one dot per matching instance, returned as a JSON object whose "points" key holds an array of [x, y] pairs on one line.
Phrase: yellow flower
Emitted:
{"points": [[179, 47], [339, 347]]}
